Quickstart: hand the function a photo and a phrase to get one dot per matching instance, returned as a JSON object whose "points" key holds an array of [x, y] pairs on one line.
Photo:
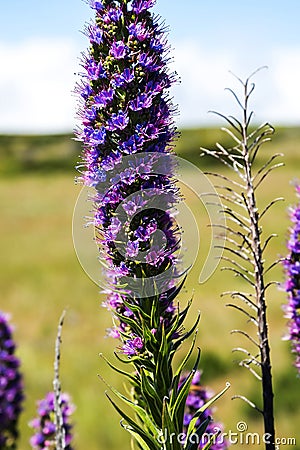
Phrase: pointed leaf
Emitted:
{"points": [[190, 444], [198, 413], [146, 437]]}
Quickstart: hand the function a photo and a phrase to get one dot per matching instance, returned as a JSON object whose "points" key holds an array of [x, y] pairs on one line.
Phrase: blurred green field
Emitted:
{"points": [[40, 276]]}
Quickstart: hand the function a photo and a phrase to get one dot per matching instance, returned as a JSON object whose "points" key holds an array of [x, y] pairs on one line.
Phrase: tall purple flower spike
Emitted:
{"points": [[11, 386], [127, 133], [197, 397], [292, 285], [44, 424]]}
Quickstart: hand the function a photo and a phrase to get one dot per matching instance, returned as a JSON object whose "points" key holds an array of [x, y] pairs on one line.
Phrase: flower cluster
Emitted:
{"points": [[292, 285], [11, 386], [197, 397], [127, 130], [44, 424]]}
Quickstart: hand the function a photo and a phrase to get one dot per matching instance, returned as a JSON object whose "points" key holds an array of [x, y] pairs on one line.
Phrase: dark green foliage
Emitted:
{"points": [[158, 404]]}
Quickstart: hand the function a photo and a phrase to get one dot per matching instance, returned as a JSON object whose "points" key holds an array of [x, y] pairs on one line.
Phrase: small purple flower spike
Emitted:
{"points": [[44, 424], [292, 284], [197, 397], [11, 386]]}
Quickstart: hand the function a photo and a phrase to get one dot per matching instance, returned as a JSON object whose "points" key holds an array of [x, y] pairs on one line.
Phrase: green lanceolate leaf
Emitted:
{"points": [[116, 369], [193, 440], [147, 437], [192, 425], [143, 445], [171, 433], [136, 309], [177, 409], [162, 375], [211, 441], [131, 322], [178, 373], [139, 411], [151, 397]]}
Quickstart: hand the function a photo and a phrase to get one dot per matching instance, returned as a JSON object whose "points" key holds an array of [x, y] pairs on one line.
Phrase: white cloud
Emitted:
{"points": [[285, 100], [36, 82], [203, 77], [37, 79], [205, 74]]}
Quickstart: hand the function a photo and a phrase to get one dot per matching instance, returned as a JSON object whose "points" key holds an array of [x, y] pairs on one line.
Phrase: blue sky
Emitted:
{"points": [[40, 43]]}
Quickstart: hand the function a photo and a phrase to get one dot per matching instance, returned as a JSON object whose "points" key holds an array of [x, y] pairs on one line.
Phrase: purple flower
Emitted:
{"points": [[139, 31], [156, 256], [127, 110], [132, 249], [114, 228], [149, 62], [118, 120], [142, 101], [98, 5], [11, 386], [132, 144], [95, 34], [292, 285], [118, 50], [113, 332], [90, 116], [126, 77], [133, 205], [133, 346], [101, 100], [85, 91], [115, 14], [44, 425], [144, 232], [139, 6], [197, 397], [98, 136], [94, 70]]}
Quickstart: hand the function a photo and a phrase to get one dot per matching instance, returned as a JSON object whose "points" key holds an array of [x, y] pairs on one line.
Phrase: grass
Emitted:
{"points": [[40, 276]]}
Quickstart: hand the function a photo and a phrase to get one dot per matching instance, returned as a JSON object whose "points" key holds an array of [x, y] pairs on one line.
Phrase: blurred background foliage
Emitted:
{"points": [[40, 276]]}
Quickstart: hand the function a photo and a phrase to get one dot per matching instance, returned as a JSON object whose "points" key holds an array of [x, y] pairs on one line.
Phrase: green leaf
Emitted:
{"points": [[151, 442], [143, 445], [169, 428], [177, 410], [161, 368], [198, 413], [116, 369], [151, 397], [189, 445], [140, 412], [147, 387], [131, 322], [188, 333], [136, 308], [177, 375], [211, 441]]}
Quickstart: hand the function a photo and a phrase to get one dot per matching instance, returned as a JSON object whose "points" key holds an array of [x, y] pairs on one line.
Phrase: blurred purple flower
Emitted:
{"points": [[292, 284], [11, 386], [44, 424], [197, 397], [133, 346]]}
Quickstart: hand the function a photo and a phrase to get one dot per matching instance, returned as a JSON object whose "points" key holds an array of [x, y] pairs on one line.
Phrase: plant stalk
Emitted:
{"points": [[260, 290]]}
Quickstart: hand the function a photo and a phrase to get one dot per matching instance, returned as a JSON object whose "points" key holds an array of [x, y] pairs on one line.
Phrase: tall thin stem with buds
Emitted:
{"points": [[260, 290], [245, 242]]}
